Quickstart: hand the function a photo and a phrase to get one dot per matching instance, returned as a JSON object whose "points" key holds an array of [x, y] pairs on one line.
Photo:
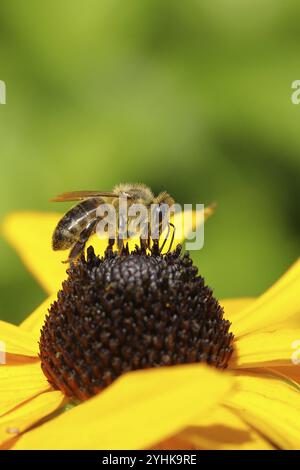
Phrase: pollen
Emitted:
{"points": [[127, 312]]}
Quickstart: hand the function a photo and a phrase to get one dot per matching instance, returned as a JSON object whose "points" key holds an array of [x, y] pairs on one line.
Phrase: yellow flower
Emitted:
{"points": [[254, 404]]}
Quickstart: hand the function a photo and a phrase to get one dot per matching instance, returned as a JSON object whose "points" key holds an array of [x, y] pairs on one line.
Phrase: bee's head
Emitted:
{"points": [[138, 193], [164, 198]]}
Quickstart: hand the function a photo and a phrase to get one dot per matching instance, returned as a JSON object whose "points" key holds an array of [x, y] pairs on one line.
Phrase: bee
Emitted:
{"points": [[80, 222]]}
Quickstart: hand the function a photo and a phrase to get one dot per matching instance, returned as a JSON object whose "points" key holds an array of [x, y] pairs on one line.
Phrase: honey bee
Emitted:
{"points": [[80, 222]]}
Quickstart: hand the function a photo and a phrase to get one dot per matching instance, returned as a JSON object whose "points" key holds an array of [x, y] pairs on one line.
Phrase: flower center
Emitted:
{"points": [[122, 313]]}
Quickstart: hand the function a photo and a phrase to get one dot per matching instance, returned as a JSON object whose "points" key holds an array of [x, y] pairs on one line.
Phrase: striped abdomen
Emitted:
{"points": [[69, 228]]}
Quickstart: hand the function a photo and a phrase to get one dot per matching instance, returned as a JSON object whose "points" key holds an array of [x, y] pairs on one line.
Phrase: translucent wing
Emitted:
{"points": [[80, 195]]}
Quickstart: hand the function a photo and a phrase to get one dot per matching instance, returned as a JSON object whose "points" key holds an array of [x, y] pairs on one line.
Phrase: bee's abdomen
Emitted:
{"points": [[70, 226]]}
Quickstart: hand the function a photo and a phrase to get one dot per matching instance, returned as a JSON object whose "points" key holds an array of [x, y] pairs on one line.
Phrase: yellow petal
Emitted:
{"points": [[34, 322], [30, 233], [269, 405], [16, 341], [29, 414], [138, 410], [223, 429], [185, 223], [20, 383], [232, 307], [269, 348], [277, 305], [288, 372]]}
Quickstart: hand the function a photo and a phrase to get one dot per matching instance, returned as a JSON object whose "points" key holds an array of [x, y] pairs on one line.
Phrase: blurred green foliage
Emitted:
{"points": [[193, 97]]}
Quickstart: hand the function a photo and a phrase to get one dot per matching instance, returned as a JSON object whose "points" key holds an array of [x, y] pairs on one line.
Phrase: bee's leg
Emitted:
{"points": [[172, 238], [145, 238], [144, 244], [155, 248], [75, 252], [126, 249], [109, 248], [166, 238], [122, 233], [120, 245], [79, 246]]}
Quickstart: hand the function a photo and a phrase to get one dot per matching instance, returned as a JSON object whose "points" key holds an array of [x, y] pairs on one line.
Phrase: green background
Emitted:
{"points": [[192, 97]]}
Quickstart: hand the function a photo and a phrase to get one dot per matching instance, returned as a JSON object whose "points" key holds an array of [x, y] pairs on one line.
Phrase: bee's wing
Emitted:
{"points": [[80, 195]]}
